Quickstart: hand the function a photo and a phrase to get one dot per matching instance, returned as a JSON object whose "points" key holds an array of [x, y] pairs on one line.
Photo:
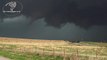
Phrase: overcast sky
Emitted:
{"points": [[17, 27], [87, 21]]}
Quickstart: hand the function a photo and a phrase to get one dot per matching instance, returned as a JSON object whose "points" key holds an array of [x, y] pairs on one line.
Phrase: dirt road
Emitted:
{"points": [[3, 58]]}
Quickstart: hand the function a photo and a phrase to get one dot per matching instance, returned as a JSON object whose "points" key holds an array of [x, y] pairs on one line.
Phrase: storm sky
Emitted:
{"points": [[84, 20]]}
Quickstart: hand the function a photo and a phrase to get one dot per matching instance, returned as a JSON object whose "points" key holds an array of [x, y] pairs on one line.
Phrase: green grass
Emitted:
{"points": [[7, 50], [27, 56]]}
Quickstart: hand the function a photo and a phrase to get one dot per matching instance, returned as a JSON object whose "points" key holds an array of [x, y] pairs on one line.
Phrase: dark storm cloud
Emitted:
{"points": [[16, 27], [84, 13], [70, 15]]}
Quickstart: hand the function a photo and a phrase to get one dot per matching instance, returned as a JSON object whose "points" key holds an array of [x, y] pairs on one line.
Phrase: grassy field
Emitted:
{"points": [[29, 49]]}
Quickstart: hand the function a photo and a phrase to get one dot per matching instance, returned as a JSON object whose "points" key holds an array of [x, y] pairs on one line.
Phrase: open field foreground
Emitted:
{"points": [[30, 49]]}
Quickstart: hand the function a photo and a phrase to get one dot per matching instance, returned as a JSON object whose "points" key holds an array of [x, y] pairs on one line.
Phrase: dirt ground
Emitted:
{"points": [[3, 58]]}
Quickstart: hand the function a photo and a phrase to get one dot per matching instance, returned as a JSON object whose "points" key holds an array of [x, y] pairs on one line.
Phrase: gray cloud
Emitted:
{"points": [[84, 13], [17, 27], [70, 17]]}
